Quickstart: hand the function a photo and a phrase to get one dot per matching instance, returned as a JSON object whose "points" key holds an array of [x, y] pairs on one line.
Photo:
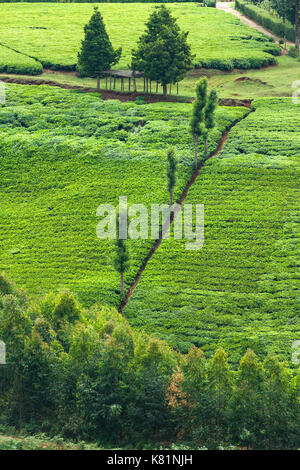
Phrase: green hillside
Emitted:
{"points": [[51, 33], [242, 289], [64, 153]]}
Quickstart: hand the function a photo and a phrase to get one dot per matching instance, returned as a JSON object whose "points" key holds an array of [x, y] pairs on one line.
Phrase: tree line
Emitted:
{"points": [[86, 374], [201, 123], [162, 52]]}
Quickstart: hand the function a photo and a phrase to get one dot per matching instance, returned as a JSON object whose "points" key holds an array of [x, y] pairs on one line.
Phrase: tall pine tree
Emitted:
{"points": [[203, 116], [163, 53], [97, 53], [212, 103], [247, 405]]}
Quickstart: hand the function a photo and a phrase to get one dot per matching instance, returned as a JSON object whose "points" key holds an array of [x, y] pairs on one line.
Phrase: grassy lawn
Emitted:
{"points": [[51, 33]]}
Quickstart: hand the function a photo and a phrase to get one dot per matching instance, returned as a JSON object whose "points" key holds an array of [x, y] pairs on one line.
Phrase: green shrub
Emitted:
{"points": [[293, 52], [218, 40], [140, 100]]}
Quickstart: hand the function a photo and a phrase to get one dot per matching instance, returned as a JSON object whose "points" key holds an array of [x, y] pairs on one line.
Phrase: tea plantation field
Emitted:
{"points": [[52, 32], [242, 289], [62, 154], [13, 62]]}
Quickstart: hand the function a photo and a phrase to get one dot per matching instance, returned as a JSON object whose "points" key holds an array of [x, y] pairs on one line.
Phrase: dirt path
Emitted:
{"points": [[114, 95], [180, 202], [106, 94], [230, 9]]}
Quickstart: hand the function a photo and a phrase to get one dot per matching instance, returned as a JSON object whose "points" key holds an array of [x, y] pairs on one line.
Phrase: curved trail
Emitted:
{"points": [[230, 9], [180, 202]]}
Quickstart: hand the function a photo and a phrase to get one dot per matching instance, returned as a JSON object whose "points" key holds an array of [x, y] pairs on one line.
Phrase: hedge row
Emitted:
{"points": [[266, 20], [14, 62], [241, 63]]}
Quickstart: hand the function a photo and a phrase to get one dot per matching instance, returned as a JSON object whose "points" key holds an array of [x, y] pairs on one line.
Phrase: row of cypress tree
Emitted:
{"points": [[162, 52], [202, 121]]}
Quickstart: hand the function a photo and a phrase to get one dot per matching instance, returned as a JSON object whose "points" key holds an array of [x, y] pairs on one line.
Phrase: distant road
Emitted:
{"points": [[230, 9]]}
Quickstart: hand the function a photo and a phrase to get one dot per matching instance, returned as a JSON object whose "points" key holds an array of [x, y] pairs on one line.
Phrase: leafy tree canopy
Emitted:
{"points": [[163, 52], [97, 53]]}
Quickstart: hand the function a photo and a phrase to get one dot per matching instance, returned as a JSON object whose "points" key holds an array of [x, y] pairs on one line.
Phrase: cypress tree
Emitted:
{"points": [[203, 115], [163, 53], [97, 53], [210, 116], [197, 126]]}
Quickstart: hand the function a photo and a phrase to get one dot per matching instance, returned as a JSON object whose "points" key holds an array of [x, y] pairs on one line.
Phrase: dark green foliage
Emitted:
{"points": [[293, 52], [281, 405], [264, 405], [121, 258], [162, 51], [197, 126], [285, 9], [247, 403], [97, 53], [66, 308], [200, 103], [210, 109], [6, 286], [203, 118], [119, 387]]}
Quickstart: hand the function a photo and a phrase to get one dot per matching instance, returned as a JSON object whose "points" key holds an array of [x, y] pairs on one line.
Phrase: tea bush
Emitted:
{"points": [[89, 152], [240, 290], [52, 33], [13, 62]]}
